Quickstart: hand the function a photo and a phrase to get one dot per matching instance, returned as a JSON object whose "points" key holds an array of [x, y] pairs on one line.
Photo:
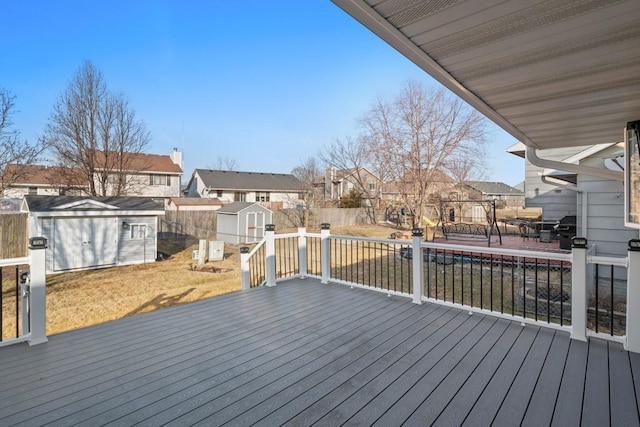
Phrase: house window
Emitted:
{"points": [[33, 191], [137, 231], [156, 179], [262, 197], [372, 186], [219, 193], [240, 197]]}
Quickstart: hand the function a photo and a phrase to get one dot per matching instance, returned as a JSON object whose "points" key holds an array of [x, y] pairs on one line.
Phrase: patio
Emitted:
{"points": [[304, 352]]}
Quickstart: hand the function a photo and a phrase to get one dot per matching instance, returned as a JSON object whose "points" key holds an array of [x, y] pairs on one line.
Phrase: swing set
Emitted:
{"points": [[450, 220]]}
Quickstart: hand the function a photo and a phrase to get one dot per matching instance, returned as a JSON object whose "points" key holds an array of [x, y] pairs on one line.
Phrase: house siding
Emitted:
{"points": [[136, 251], [555, 201], [605, 210]]}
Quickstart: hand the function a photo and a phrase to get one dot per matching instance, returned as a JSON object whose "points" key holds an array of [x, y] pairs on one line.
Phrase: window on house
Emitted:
{"points": [[33, 191], [219, 193], [137, 231], [349, 185], [262, 197], [157, 179], [372, 186], [240, 196]]}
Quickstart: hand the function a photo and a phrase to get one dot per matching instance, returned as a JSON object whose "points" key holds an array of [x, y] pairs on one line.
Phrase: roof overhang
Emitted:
{"points": [[552, 73]]}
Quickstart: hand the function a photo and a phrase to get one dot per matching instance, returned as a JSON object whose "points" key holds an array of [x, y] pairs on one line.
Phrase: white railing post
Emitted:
{"points": [[270, 254], [633, 297], [244, 268], [37, 290], [302, 252], [325, 252], [417, 259], [579, 288]]}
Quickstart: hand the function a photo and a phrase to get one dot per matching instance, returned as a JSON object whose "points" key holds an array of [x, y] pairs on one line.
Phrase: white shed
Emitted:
{"points": [[242, 222], [89, 232]]}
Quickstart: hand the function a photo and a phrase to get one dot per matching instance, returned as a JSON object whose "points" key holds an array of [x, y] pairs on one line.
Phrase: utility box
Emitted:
{"points": [[216, 250], [545, 236]]}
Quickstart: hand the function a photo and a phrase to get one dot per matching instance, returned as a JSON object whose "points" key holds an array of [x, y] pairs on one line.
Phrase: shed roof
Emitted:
{"points": [[195, 201], [83, 203], [237, 207], [260, 181]]}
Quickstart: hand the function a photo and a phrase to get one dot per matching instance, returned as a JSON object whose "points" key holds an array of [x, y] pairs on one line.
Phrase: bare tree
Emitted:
{"points": [[311, 175], [95, 134], [352, 160], [463, 169], [416, 134], [15, 153], [224, 164]]}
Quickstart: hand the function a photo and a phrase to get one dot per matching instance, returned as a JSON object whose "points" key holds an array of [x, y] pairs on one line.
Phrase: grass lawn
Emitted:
{"points": [[83, 298]]}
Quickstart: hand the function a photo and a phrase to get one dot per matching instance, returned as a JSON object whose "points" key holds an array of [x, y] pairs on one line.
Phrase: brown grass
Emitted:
{"points": [[80, 299]]}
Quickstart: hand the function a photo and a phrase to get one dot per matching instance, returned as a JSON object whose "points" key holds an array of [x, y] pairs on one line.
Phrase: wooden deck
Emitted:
{"points": [[304, 353]]}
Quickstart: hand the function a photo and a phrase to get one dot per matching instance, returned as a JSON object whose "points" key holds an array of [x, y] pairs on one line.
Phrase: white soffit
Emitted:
{"points": [[552, 73]]}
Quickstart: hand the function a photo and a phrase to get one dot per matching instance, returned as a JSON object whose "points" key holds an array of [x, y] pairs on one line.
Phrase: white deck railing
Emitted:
{"points": [[30, 296], [543, 288]]}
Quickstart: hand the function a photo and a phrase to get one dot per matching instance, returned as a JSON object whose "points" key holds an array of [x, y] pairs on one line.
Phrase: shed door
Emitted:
{"points": [[255, 227], [84, 242]]}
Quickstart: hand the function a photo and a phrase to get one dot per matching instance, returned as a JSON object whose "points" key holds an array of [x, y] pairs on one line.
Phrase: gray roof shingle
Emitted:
{"points": [[256, 181], [48, 203], [494, 187]]}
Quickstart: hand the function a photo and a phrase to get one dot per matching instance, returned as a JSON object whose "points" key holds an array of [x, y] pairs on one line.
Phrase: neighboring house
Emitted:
{"points": [[156, 176], [242, 222], [40, 180], [398, 191], [193, 204], [276, 191], [339, 182], [510, 196], [89, 232], [597, 203]]}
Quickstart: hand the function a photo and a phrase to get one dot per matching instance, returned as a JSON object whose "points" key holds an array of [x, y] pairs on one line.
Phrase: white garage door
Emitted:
{"points": [[84, 242]]}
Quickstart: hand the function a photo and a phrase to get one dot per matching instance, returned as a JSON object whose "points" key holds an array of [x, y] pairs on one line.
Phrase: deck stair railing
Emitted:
{"points": [[533, 287], [22, 296]]}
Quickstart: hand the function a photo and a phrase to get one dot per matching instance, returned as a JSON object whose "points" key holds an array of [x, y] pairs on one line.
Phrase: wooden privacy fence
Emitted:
{"points": [[13, 235], [178, 224], [203, 224]]}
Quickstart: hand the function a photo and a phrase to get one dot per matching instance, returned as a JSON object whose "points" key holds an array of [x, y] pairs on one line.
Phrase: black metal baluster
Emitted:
{"points": [[491, 283], [502, 284], [462, 277], [481, 281], [17, 301], [513, 290], [548, 291], [612, 300], [597, 297], [536, 289]]}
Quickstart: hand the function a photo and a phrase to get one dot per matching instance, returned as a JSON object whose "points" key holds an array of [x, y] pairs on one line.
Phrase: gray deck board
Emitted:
{"points": [[624, 408], [305, 353], [595, 408], [568, 409]]}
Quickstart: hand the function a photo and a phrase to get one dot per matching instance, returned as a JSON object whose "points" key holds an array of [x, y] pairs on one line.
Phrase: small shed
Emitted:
{"points": [[242, 222], [89, 232]]}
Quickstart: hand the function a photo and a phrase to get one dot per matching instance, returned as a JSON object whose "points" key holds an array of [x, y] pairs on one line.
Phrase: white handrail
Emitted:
{"points": [[14, 261], [606, 260]]}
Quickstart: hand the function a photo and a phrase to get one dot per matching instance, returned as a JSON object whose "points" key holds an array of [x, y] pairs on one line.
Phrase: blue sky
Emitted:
{"points": [[266, 83]]}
